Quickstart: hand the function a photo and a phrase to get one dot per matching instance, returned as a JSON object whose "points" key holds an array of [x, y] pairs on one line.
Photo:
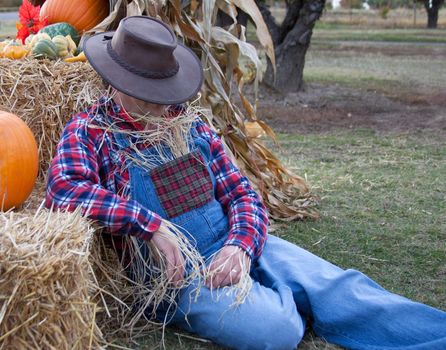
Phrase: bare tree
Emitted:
{"points": [[432, 7], [291, 41]]}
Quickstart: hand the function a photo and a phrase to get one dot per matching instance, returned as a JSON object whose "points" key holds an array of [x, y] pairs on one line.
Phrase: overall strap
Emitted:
{"points": [[121, 139]]}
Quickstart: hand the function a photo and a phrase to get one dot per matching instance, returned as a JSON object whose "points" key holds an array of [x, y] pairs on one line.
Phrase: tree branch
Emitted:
{"points": [[292, 15], [270, 22]]}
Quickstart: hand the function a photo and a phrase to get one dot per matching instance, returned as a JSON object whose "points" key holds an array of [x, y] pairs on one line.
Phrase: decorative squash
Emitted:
{"points": [[19, 161], [62, 45], [35, 38], [3, 44], [79, 58], [71, 44], [81, 14], [28, 40], [61, 29], [14, 50], [45, 48]]}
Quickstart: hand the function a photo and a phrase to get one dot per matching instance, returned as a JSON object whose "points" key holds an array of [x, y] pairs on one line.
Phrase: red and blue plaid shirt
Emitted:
{"points": [[87, 172]]}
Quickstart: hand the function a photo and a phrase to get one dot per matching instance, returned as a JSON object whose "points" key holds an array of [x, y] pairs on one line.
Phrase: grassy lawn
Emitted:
{"points": [[335, 57], [383, 206]]}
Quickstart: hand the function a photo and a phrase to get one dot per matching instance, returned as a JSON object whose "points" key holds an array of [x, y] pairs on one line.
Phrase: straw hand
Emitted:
{"points": [[171, 255], [227, 267]]}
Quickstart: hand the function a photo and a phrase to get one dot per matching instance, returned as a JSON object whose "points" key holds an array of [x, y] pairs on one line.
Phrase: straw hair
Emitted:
{"points": [[130, 303], [239, 291]]}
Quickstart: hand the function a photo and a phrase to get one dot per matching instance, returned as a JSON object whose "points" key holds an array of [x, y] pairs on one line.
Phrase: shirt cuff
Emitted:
{"points": [[238, 241], [149, 222]]}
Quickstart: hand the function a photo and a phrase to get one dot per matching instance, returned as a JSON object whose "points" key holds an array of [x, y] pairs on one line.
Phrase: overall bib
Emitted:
{"points": [[290, 285]]}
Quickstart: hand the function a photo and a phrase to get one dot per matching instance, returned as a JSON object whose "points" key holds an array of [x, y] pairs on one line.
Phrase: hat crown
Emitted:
{"points": [[145, 45]]}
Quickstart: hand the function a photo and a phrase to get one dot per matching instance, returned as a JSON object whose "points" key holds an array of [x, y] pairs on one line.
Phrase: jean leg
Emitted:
{"points": [[268, 319], [346, 306]]}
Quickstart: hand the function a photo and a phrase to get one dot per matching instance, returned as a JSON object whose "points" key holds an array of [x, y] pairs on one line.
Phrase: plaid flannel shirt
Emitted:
{"points": [[87, 172]]}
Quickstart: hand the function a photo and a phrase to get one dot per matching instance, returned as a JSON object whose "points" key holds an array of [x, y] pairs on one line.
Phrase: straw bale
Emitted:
{"points": [[46, 285], [45, 94]]}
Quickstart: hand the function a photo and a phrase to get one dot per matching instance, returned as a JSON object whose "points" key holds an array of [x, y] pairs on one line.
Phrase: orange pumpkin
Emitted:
{"points": [[81, 14], [19, 161]]}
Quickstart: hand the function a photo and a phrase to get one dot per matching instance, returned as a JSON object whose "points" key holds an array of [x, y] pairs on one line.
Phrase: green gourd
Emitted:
{"points": [[36, 38], [45, 48], [61, 28], [62, 45]]}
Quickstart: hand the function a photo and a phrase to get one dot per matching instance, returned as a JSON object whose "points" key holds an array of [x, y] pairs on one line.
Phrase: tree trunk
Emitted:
{"points": [[432, 15], [291, 41]]}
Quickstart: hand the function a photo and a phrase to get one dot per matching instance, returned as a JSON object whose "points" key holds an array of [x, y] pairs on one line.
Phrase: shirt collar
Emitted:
{"points": [[124, 119]]}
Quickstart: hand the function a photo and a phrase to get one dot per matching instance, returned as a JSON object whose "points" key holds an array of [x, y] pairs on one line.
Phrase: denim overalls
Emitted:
{"points": [[290, 285], [199, 215]]}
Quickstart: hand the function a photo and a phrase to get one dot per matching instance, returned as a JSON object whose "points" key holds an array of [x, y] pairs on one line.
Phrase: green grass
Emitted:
{"points": [[342, 32], [383, 206], [383, 66], [383, 212]]}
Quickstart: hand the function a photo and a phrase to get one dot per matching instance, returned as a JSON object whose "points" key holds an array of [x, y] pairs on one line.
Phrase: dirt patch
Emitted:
{"points": [[321, 109]]}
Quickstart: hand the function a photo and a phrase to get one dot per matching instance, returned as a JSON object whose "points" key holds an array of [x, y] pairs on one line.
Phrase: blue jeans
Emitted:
{"points": [[291, 286]]}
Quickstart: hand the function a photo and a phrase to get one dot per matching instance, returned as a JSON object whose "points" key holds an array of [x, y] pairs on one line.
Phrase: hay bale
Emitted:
{"points": [[46, 284], [61, 285], [45, 94]]}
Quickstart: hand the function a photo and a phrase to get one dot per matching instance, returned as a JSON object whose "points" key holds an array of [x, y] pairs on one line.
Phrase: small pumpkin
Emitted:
{"points": [[45, 48], [62, 45], [19, 161], [14, 50], [61, 29], [81, 14]]}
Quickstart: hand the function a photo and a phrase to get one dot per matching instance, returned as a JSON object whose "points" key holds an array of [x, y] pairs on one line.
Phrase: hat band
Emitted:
{"points": [[143, 73]]}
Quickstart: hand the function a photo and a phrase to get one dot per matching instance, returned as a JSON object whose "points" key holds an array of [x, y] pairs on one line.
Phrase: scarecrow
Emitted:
{"points": [[142, 165]]}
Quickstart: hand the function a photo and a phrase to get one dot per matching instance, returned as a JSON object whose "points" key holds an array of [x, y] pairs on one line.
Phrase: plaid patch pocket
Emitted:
{"points": [[183, 184]]}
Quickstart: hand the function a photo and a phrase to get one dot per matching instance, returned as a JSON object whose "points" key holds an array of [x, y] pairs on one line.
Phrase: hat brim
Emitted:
{"points": [[173, 90]]}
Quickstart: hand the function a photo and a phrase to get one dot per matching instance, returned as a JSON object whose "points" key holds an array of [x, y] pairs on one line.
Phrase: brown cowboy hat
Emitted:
{"points": [[143, 59]]}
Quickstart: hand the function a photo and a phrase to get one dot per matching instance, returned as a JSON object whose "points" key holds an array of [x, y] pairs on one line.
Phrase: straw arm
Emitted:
{"points": [[247, 214], [73, 181]]}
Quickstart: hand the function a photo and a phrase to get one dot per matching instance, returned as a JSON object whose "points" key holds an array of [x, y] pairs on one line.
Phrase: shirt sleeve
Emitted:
{"points": [[247, 214], [73, 181]]}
